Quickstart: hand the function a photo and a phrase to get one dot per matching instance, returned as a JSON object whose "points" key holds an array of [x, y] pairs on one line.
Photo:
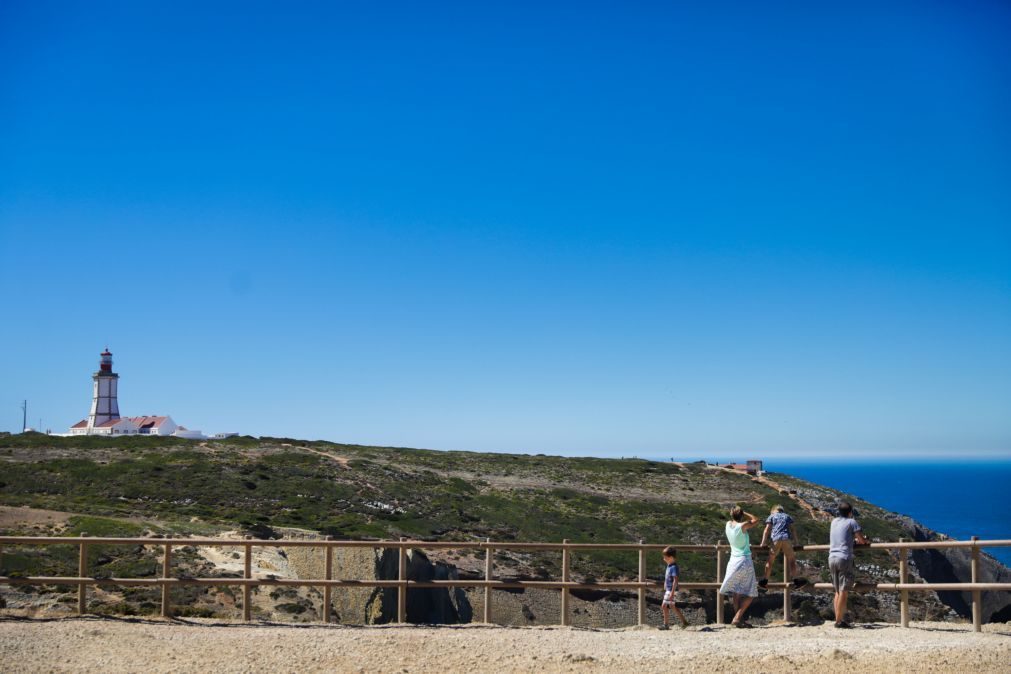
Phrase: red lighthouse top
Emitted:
{"points": [[105, 364]]}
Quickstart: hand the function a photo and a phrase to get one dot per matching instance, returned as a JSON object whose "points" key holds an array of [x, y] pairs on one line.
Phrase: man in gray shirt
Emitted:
{"points": [[844, 533]]}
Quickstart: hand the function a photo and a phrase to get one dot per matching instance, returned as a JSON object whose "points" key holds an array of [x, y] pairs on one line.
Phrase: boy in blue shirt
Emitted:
{"points": [[670, 587], [784, 536]]}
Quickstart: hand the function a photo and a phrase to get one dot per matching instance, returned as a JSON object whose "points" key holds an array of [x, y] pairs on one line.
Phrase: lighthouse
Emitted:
{"points": [[104, 403], [104, 418]]}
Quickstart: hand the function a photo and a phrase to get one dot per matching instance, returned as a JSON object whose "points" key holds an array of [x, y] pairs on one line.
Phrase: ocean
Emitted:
{"points": [[961, 499]]}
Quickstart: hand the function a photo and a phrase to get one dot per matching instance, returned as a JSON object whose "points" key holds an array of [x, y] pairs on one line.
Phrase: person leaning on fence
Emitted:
{"points": [[670, 587], [842, 535], [780, 527], [740, 581]]}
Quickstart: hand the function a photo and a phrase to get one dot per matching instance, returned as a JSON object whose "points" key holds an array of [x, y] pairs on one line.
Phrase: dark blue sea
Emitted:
{"points": [[963, 499]]}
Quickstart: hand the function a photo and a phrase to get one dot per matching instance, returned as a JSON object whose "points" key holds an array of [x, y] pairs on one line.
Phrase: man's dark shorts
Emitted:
{"points": [[841, 571]]}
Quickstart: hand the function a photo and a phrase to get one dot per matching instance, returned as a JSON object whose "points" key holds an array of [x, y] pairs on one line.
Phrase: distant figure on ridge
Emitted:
{"points": [[784, 537], [670, 587], [842, 534], [740, 580]]}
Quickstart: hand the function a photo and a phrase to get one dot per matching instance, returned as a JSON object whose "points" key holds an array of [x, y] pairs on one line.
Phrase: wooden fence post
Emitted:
{"points": [[642, 579], [402, 576], [787, 608], [82, 570], [565, 579], [166, 562], [247, 589], [903, 576], [719, 579], [327, 575], [487, 576], [977, 595]]}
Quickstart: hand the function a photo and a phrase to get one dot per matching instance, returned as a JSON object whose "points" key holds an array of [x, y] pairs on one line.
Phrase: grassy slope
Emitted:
{"points": [[127, 485]]}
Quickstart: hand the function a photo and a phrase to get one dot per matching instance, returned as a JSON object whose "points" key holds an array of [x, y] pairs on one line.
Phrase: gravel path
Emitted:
{"points": [[92, 644]]}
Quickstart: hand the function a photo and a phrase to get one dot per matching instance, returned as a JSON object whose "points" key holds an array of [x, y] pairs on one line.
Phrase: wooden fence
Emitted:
{"points": [[565, 585]]}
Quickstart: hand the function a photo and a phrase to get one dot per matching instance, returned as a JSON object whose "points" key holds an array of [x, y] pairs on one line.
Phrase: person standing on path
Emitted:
{"points": [[842, 535], [784, 537], [740, 580], [671, 578]]}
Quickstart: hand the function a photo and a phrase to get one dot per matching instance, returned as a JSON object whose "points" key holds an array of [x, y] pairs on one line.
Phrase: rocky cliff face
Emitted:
{"points": [[616, 609], [379, 605], [955, 566], [931, 566], [430, 606]]}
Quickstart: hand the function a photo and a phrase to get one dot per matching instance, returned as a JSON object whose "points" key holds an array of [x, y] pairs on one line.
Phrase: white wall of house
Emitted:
{"points": [[167, 427], [122, 427]]}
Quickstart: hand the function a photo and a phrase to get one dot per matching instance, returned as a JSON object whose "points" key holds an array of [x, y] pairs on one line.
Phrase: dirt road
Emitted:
{"points": [[131, 645]]}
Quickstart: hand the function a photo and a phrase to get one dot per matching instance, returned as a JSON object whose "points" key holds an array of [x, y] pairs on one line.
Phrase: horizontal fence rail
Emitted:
{"points": [[247, 582]]}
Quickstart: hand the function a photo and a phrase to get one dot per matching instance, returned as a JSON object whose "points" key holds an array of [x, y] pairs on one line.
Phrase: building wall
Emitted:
{"points": [[124, 427]]}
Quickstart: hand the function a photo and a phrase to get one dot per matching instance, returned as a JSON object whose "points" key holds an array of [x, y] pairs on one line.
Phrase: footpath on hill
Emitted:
{"points": [[178, 645]]}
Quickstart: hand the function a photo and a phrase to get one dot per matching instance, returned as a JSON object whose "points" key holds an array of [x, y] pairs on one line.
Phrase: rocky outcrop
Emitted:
{"points": [[379, 605], [954, 565], [426, 605], [349, 605]]}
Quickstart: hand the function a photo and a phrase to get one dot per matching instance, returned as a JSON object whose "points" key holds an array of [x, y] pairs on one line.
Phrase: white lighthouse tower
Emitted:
{"points": [[104, 401]]}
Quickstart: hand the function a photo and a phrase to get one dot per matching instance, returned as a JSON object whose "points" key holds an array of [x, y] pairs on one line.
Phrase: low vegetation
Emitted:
{"points": [[142, 485]]}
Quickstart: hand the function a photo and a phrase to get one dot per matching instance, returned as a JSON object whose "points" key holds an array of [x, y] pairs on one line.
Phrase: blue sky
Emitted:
{"points": [[583, 228]]}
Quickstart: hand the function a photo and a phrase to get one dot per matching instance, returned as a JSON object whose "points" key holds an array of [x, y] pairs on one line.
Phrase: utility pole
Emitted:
{"points": [[24, 415]]}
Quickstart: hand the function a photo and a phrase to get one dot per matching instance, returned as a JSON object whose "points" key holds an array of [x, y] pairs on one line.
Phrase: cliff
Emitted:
{"points": [[264, 486]]}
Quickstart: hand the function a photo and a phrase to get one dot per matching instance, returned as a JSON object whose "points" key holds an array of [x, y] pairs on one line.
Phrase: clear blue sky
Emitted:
{"points": [[611, 229]]}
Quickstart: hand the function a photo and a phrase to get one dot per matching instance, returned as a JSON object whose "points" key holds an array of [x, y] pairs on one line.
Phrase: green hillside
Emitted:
{"points": [[348, 491]]}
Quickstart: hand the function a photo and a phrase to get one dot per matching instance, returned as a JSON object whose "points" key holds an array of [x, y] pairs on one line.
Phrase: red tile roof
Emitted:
{"points": [[148, 422], [81, 424], [110, 423]]}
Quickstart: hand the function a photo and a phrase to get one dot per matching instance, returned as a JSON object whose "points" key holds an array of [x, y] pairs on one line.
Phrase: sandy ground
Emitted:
{"points": [[15, 517], [91, 644]]}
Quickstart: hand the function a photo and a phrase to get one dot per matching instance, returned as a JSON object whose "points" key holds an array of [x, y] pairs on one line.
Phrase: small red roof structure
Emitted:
{"points": [[148, 422], [110, 423], [83, 423]]}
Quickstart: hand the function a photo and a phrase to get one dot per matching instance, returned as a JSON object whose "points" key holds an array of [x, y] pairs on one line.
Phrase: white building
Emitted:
{"points": [[155, 425], [109, 427], [183, 432], [104, 418]]}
